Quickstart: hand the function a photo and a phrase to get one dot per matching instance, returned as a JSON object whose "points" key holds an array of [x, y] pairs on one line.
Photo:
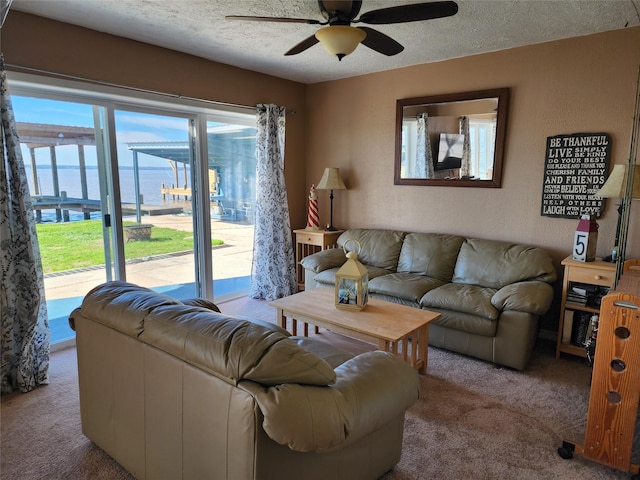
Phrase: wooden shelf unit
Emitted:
{"points": [[599, 273], [615, 382], [309, 242]]}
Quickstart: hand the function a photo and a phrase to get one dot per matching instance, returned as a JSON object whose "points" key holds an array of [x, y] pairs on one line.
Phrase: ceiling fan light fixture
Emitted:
{"points": [[340, 40]]}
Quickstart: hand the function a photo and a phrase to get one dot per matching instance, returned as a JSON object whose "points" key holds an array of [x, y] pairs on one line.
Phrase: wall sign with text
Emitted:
{"points": [[576, 167]]}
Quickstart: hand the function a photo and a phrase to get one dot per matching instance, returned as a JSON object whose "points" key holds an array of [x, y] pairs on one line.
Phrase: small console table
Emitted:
{"points": [[597, 274], [309, 242]]}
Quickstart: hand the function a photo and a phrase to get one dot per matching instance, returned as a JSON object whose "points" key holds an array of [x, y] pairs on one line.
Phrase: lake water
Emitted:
{"points": [[151, 180]]}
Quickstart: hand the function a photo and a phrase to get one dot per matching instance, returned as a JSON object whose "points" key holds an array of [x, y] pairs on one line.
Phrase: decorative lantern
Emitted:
{"points": [[352, 282]]}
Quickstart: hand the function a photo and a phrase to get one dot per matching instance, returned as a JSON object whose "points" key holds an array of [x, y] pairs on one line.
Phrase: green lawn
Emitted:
{"points": [[71, 245]]}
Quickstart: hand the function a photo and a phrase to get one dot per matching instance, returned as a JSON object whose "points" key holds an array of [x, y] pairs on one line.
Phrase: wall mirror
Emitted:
{"points": [[453, 140]]}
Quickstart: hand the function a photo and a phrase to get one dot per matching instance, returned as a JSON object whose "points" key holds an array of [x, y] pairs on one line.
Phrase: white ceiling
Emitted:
{"points": [[198, 27]]}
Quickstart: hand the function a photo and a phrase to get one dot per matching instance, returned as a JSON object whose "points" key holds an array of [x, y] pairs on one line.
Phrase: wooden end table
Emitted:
{"points": [[388, 325]]}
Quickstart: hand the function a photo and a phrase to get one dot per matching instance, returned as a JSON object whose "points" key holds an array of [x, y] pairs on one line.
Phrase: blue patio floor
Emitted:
{"points": [[60, 309]]}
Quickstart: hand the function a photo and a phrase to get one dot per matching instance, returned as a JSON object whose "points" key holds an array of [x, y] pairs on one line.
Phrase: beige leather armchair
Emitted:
{"points": [[176, 391]]}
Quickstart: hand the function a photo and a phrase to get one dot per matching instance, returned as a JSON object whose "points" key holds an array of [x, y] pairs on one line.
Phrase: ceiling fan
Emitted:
{"points": [[340, 38]]}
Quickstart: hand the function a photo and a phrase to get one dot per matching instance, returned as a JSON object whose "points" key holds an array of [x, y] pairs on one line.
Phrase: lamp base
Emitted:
{"points": [[331, 228]]}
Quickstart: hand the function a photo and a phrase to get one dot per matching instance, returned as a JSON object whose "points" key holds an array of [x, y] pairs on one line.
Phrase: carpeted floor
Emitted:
{"points": [[473, 420]]}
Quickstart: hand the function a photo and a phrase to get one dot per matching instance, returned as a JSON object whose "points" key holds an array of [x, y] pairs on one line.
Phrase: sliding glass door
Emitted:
{"points": [[65, 160], [153, 193], [155, 159]]}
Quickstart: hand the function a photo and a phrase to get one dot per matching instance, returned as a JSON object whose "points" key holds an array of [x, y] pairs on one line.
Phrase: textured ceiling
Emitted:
{"points": [[198, 27]]}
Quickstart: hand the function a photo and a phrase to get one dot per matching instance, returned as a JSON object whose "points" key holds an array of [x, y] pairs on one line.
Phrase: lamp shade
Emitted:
{"points": [[340, 40], [331, 179], [616, 184]]}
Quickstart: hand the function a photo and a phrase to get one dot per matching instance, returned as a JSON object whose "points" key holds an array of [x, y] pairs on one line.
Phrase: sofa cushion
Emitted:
{"points": [[123, 306], [462, 298], [232, 348], [329, 276], [408, 286], [430, 254], [378, 248], [491, 263], [329, 353]]}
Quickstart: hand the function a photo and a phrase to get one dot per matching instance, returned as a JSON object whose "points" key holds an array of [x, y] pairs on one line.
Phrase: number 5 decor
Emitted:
{"points": [[585, 239]]}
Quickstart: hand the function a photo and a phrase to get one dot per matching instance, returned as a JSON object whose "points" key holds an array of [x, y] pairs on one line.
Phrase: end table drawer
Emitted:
{"points": [[592, 276]]}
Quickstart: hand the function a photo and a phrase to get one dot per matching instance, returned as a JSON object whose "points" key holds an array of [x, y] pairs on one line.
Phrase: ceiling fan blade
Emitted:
{"points": [[303, 45], [409, 13], [275, 19], [380, 42]]}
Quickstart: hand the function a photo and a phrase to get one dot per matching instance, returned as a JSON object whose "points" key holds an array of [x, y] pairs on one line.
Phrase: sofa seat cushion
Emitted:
{"points": [[494, 264], [457, 297], [430, 254], [408, 286], [233, 349], [378, 248], [329, 276], [329, 353]]}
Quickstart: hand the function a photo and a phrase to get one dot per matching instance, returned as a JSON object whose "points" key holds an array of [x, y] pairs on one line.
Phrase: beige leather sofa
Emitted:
{"points": [[490, 293], [178, 391]]}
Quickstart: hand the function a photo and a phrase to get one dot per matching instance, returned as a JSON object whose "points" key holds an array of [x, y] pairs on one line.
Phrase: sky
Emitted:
{"points": [[130, 127]]}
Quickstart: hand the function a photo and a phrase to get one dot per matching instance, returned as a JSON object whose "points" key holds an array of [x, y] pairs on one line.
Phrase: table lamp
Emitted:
{"points": [[615, 187], [331, 180]]}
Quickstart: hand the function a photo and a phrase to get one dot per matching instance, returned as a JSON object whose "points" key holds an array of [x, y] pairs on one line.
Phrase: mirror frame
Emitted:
{"points": [[501, 128]]}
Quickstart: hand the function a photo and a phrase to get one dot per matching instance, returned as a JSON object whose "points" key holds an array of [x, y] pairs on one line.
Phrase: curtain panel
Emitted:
{"points": [[424, 158], [465, 168], [273, 272], [23, 308]]}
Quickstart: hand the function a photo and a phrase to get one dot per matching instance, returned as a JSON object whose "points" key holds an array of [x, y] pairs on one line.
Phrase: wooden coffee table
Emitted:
{"points": [[389, 325]]}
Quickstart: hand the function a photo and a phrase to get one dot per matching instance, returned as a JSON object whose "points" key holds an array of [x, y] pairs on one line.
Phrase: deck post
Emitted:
{"points": [[54, 177], [83, 178], [34, 176]]}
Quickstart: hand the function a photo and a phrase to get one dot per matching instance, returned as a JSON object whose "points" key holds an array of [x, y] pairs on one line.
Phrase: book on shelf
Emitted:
{"points": [[580, 328], [567, 326], [586, 295]]}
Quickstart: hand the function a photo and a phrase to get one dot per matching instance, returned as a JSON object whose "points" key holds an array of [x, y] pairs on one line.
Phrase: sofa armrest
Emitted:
{"points": [[371, 390], [324, 260], [531, 297]]}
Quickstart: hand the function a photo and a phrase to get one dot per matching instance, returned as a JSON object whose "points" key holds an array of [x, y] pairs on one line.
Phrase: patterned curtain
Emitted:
{"points": [[23, 308], [273, 272], [465, 168], [424, 158]]}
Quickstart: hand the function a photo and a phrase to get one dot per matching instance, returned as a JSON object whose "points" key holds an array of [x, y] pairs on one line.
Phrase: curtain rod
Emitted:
{"points": [[131, 88]]}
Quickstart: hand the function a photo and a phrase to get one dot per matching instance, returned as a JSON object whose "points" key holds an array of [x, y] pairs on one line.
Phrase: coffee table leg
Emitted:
{"points": [[422, 346], [281, 319]]}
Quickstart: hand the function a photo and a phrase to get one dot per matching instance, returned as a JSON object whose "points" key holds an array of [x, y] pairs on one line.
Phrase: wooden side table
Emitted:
{"points": [[312, 241], [597, 273]]}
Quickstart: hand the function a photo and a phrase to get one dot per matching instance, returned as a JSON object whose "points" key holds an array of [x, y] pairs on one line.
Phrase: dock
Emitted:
{"points": [[64, 204]]}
